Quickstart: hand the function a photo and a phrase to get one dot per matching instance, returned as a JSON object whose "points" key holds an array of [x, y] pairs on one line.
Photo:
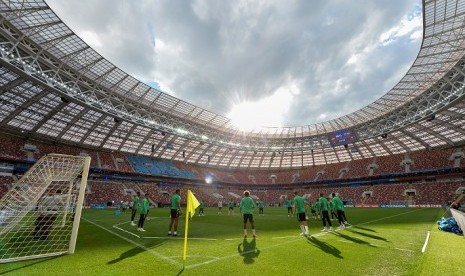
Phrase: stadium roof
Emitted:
{"points": [[55, 87]]}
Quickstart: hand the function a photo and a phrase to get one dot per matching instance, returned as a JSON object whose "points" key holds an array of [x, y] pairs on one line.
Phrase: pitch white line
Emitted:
{"points": [[180, 238], [236, 239], [346, 241], [426, 242], [285, 237], [402, 249], [125, 222], [202, 239], [396, 248], [314, 235], [121, 223], [193, 256], [163, 257], [401, 214], [114, 226]]}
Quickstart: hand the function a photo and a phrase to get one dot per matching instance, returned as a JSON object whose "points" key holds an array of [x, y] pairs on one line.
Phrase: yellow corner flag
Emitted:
{"points": [[192, 204]]}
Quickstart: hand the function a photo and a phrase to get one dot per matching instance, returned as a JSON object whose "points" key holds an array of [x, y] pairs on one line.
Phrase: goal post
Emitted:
{"points": [[79, 204], [40, 214]]}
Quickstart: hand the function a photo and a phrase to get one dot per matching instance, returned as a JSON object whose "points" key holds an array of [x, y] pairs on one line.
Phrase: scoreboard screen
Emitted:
{"points": [[342, 137]]}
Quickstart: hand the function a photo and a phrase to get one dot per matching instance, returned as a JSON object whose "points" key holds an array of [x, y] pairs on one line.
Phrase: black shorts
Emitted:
{"points": [[325, 214], [231, 208], [313, 211], [248, 217], [174, 213], [301, 217], [289, 209]]}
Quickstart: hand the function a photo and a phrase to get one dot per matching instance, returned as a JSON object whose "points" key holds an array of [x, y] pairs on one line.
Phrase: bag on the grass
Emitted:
{"points": [[449, 225]]}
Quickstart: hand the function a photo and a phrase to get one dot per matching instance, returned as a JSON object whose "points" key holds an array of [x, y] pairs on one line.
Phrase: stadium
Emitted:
{"points": [[80, 138]]}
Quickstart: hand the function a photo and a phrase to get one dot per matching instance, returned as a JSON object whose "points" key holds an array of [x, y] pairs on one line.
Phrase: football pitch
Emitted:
{"points": [[379, 241]]}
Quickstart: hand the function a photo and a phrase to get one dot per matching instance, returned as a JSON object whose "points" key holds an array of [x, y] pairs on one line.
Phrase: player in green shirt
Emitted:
{"points": [[339, 206], [135, 207], [260, 207], [231, 207], [331, 209], [299, 210], [313, 210], [175, 213], [201, 207], [323, 201], [246, 208], [289, 207], [316, 205], [143, 210], [344, 219]]}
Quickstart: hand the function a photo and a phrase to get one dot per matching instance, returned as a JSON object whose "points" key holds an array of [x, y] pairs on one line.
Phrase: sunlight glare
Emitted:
{"points": [[269, 111]]}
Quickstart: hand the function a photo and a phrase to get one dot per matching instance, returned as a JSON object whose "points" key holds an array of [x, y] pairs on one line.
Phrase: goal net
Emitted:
{"points": [[401, 202], [40, 214]]}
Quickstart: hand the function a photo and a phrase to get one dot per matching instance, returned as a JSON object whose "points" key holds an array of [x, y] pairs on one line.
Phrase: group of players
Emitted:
{"points": [[321, 208], [143, 208], [296, 207], [231, 204]]}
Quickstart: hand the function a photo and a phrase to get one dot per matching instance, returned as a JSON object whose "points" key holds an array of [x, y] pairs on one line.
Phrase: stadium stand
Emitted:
{"points": [[438, 193], [427, 160], [389, 164], [104, 192], [331, 171], [358, 168], [107, 161], [12, 148], [309, 174], [5, 182], [146, 165], [121, 162]]}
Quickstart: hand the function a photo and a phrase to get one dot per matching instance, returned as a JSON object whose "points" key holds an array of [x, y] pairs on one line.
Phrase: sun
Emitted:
{"points": [[265, 112], [249, 115]]}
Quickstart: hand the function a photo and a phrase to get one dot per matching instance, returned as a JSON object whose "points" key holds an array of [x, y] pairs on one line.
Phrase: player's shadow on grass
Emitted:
{"points": [[134, 251], [325, 247], [368, 235], [353, 239], [363, 228], [248, 250]]}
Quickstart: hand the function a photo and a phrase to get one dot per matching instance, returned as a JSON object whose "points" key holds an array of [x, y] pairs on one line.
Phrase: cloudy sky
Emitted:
{"points": [[259, 62]]}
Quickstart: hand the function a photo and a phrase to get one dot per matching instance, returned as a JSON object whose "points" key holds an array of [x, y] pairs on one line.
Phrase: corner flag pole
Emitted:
{"points": [[192, 204]]}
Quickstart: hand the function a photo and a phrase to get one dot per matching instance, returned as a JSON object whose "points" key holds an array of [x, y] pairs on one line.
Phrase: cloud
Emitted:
{"points": [[340, 56]]}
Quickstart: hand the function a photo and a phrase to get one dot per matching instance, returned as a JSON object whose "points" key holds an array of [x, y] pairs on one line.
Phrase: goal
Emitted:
{"points": [[40, 214], [401, 202]]}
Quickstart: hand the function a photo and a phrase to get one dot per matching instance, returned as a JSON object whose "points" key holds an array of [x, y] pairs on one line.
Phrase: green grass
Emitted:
{"points": [[381, 242]]}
